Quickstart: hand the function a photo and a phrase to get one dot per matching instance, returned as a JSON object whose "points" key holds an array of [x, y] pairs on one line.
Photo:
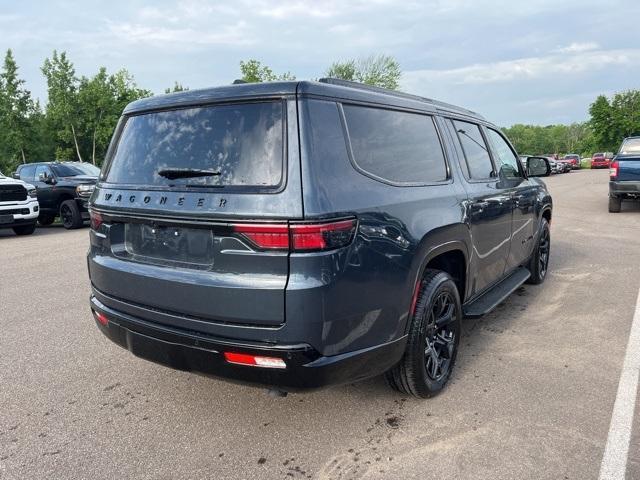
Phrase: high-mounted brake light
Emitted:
{"points": [[254, 360], [613, 170], [299, 237], [96, 219]]}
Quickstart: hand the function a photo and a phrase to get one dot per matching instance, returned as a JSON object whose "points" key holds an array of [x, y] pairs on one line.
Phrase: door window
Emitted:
{"points": [[505, 158], [476, 154], [42, 169]]}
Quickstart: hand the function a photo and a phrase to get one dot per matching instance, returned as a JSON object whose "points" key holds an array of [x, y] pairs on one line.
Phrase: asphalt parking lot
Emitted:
{"points": [[531, 396]]}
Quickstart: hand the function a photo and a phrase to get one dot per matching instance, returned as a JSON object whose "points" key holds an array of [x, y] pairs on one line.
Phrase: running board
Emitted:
{"points": [[496, 295]]}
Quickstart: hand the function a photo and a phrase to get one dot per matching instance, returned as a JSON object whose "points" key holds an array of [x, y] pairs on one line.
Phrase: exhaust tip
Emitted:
{"points": [[274, 392]]}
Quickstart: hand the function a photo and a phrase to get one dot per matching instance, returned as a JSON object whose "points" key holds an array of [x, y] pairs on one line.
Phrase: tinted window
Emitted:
{"points": [[476, 154], [399, 147], [68, 170], [27, 173], [506, 160], [242, 144]]}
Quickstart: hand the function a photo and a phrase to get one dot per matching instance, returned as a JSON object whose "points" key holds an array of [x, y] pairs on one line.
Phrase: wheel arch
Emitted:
{"points": [[447, 249]]}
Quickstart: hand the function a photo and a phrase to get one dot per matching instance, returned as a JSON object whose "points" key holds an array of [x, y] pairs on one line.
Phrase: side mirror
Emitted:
{"points": [[538, 167], [16, 175], [43, 177]]}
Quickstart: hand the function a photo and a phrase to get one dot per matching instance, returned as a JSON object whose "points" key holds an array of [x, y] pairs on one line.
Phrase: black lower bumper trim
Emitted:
{"points": [[190, 351]]}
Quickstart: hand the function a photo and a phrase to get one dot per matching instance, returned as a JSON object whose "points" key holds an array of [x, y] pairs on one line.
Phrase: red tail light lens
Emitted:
{"points": [[267, 236], [323, 236], [299, 237], [96, 219], [613, 170]]}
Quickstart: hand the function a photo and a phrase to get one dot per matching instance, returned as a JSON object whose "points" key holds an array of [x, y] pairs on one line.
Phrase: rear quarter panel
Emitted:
{"points": [[367, 288]]}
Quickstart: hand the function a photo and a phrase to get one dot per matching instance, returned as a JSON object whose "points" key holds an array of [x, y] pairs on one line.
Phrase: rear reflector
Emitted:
{"points": [[299, 237], [254, 360], [101, 318]]}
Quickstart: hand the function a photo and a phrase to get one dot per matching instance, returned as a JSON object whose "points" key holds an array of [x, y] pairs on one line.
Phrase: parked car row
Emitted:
{"points": [[44, 191]]}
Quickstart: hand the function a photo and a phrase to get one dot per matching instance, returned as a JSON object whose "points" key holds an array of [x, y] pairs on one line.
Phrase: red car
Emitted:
{"points": [[601, 160], [573, 160]]}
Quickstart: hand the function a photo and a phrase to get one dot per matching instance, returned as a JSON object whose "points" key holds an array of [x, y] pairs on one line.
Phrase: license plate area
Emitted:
{"points": [[6, 219], [169, 245]]}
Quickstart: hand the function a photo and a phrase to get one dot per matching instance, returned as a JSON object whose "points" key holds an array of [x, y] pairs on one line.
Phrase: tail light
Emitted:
{"points": [[299, 237], [96, 219], [613, 170]]}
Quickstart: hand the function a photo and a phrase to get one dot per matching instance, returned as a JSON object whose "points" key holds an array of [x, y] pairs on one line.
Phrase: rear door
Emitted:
{"points": [[489, 207], [194, 205]]}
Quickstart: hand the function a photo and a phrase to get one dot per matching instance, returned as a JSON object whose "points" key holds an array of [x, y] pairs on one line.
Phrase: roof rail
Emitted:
{"points": [[396, 93]]}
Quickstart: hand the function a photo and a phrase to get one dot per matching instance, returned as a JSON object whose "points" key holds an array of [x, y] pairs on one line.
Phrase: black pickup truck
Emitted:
{"points": [[63, 190], [624, 174]]}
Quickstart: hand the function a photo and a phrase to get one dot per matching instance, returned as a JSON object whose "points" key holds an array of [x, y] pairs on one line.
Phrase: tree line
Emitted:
{"points": [[81, 113], [611, 120]]}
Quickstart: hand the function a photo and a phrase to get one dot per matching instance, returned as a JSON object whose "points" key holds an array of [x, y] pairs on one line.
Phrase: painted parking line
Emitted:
{"points": [[614, 461]]}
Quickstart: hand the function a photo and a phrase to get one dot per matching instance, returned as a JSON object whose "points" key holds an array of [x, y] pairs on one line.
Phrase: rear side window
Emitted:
{"points": [[476, 153], [237, 145], [393, 146]]}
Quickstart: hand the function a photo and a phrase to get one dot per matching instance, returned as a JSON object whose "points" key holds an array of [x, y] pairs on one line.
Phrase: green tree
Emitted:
{"points": [[379, 70], [177, 87], [100, 101], [254, 72], [16, 109], [62, 109]]}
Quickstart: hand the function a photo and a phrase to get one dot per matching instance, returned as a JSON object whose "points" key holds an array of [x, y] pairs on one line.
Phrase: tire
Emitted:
{"points": [[431, 350], [25, 229], [539, 263], [70, 215], [615, 204], [45, 219]]}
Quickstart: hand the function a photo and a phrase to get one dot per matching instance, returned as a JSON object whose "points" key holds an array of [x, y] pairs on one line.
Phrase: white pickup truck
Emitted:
{"points": [[19, 208]]}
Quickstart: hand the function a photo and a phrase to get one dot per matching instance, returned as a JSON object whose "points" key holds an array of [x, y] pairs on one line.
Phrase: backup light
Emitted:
{"points": [[254, 360]]}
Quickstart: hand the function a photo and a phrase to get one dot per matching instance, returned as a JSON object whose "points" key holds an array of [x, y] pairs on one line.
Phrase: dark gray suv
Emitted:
{"points": [[302, 234]]}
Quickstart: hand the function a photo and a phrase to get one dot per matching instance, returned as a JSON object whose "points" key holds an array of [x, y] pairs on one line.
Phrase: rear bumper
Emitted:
{"points": [[204, 354], [622, 188]]}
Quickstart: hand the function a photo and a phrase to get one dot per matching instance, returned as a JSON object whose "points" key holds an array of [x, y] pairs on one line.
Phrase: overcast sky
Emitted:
{"points": [[517, 61]]}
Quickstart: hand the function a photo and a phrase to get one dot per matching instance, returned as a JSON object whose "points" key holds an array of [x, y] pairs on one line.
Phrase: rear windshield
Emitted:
{"points": [[630, 145], [231, 145], [571, 157]]}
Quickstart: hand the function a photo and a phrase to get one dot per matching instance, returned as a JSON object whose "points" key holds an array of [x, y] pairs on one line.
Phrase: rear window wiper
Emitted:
{"points": [[174, 173]]}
